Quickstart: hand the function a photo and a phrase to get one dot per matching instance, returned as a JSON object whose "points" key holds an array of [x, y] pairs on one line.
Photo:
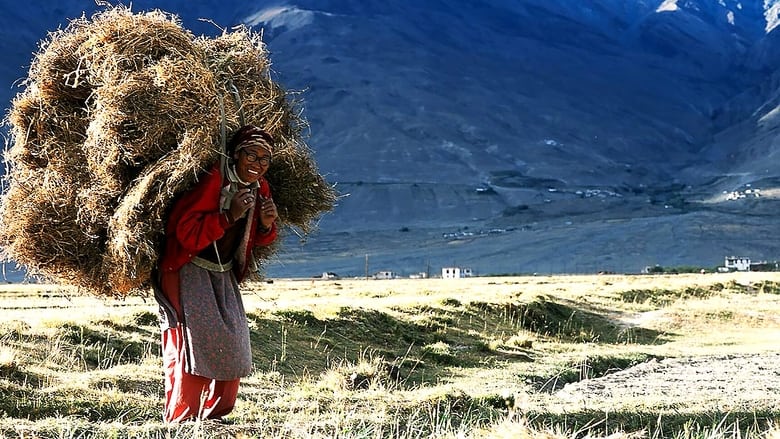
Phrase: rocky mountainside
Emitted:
{"points": [[514, 135]]}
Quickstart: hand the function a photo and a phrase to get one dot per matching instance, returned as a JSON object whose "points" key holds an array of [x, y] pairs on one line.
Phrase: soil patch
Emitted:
{"points": [[721, 381]]}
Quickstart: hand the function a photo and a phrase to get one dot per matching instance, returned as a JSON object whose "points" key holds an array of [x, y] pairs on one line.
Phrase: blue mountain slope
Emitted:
{"points": [[444, 114]]}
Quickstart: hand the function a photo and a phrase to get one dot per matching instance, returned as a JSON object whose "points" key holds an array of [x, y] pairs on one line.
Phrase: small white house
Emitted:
{"points": [[385, 275], [455, 272], [737, 263]]}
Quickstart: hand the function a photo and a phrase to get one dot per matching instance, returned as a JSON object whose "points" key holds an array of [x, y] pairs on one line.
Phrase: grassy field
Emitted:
{"points": [[479, 357]]}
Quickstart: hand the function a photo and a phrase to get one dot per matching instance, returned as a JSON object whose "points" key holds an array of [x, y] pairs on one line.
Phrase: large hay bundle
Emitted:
{"points": [[119, 115]]}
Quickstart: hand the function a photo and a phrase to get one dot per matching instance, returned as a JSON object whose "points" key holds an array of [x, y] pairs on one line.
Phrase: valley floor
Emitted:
{"points": [[407, 358]]}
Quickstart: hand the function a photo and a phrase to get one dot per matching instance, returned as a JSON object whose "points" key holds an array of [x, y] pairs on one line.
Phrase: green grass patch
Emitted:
{"points": [[595, 366], [665, 297], [563, 321], [102, 346]]}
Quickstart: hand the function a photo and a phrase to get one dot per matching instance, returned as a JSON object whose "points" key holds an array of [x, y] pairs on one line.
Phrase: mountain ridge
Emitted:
{"points": [[550, 117]]}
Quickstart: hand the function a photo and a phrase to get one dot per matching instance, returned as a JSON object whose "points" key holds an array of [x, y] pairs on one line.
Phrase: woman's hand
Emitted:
{"points": [[242, 201], [268, 212]]}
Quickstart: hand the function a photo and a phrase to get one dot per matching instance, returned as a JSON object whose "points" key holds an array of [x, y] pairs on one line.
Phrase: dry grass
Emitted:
{"points": [[120, 113], [400, 358]]}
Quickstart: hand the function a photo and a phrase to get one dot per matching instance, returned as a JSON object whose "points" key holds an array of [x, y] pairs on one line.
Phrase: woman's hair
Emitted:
{"points": [[248, 133]]}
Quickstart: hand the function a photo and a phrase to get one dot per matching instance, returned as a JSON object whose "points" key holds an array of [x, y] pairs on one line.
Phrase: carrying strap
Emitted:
{"points": [[237, 101], [222, 135], [223, 125], [223, 139]]}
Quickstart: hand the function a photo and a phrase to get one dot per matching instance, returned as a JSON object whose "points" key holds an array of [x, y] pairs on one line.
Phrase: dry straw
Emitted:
{"points": [[120, 114]]}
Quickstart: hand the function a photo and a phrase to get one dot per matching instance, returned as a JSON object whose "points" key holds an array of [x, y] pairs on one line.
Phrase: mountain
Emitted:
{"points": [[514, 135]]}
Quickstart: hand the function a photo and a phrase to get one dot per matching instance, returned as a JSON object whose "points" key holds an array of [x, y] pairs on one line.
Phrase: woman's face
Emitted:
{"points": [[252, 163]]}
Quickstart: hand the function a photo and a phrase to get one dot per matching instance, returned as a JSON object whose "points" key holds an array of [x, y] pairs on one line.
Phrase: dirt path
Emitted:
{"points": [[728, 382]]}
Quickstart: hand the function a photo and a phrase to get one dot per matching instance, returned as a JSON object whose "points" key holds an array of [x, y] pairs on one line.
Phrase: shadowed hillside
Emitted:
{"points": [[549, 117]]}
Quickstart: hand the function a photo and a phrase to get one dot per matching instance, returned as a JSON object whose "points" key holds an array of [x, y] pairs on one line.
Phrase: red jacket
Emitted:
{"points": [[196, 221]]}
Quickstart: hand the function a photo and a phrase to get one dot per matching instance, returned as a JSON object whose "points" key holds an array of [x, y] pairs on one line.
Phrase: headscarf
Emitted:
{"points": [[250, 135]]}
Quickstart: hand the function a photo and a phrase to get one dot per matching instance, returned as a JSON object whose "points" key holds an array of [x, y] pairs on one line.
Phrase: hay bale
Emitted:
{"points": [[120, 114], [57, 69], [43, 223], [45, 135], [143, 117]]}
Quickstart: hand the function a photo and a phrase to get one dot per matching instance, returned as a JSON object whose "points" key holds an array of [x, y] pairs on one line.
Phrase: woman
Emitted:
{"points": [[209, 238]]}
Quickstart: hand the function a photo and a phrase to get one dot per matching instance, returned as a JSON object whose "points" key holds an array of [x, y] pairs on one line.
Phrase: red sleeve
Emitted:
{"points": [[262, 239], [200, 222]]}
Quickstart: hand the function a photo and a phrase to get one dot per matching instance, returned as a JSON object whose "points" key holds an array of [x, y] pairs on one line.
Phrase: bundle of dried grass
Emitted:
{"points": [[119, 115]]}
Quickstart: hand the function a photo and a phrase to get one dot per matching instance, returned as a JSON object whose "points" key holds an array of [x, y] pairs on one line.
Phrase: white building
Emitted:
{"points": [[737, 263], [455, 272], [385, 275]]}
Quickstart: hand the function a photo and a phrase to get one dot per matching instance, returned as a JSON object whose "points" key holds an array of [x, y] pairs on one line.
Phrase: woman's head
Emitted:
{"points": [[251, 149]]}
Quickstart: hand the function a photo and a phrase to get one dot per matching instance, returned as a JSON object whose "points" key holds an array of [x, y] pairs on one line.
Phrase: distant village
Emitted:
{"points": [[446, 273], [465, 234], [730, 264], [747, 192], [735, 263]]}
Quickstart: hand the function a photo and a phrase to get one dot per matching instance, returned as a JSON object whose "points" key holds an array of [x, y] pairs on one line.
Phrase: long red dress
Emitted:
{"points": [[205, 338]]}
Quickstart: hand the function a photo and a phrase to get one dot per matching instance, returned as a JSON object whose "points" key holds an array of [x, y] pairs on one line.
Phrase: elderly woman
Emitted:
{"points": [[209, 238]]}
